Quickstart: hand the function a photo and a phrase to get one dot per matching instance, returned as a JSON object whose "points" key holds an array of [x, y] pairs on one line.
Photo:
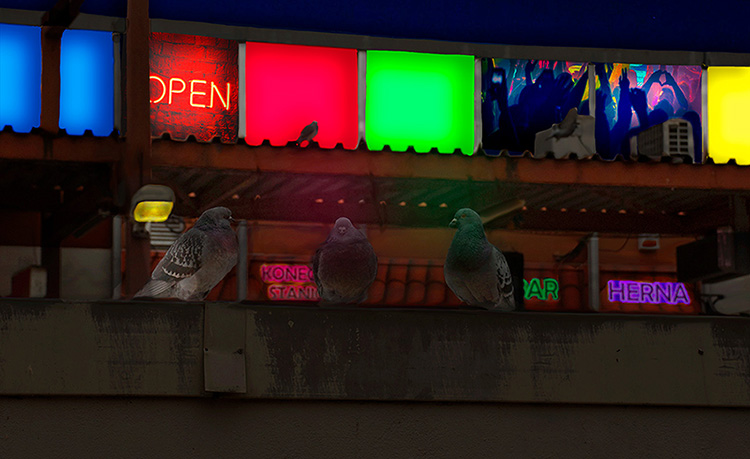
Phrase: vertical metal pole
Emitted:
{"points": [[116, 257], [592, 89], [477, 103], [361, 92], [704, 115], [135, 166], [241, 65], [242, 262], [593, 247]]}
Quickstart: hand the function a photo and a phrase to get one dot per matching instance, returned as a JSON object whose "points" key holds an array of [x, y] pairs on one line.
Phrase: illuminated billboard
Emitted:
{"points": [[194, 87], [288, 87], [20, 77], [419, 100], [632, 98], [87, 82], [728, 118], [523, 97]]}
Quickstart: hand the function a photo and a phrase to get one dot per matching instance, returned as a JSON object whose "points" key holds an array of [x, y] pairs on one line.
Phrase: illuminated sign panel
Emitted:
{"points": [[647, 292], [20, 77], [420, 100], [194, 87], [289, 86], [87, 82], [728, 116], [541, 289], [289, 282]]}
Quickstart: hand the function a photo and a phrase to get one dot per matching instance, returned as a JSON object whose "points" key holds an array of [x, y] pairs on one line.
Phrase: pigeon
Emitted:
{"points": [[345, 265], [476, 270], [308, 133], [197, 261], [567, 126]]}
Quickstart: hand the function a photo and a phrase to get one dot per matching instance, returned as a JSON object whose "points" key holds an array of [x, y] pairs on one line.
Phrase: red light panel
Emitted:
{"points": [[290, 86], [194, 87]]}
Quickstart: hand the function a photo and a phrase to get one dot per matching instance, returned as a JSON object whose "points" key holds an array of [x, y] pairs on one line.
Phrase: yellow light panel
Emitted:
{"points": [[152, 211], [729, 114]]}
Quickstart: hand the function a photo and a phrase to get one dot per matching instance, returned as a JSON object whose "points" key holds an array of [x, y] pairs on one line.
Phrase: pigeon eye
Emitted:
{"points": [[463, 215]]}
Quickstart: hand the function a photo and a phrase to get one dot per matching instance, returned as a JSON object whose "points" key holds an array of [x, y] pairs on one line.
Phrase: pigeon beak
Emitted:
{"points": [[342, 229], [232, 220], [453, 223]]}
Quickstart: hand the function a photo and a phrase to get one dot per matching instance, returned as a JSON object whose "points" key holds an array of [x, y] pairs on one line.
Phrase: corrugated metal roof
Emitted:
{"points": [[432, 202]]}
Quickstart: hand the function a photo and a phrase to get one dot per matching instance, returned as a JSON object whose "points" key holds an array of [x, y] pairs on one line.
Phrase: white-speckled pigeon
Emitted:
{"points": [[476, 270], [345, 265], [308, 133], [197, 261]]}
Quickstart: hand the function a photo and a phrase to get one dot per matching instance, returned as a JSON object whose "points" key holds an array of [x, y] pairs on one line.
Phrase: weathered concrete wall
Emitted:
{"points": [[41, 427], [283, 352]]}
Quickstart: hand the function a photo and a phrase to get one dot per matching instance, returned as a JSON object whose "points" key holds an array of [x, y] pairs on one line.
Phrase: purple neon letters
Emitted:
{"points": [[647, 292]]}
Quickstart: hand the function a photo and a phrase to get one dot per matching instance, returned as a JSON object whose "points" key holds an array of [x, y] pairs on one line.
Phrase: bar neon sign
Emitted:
{"points": [[542, 289], [289, 282], [647, 292]]}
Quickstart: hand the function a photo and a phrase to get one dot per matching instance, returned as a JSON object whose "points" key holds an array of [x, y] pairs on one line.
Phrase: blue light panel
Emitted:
{"points": [[87, 82], [20, 77]]}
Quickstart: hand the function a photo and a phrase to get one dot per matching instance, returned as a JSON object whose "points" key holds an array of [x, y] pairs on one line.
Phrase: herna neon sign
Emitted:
{"points": [[289, 282], [647, 292]]}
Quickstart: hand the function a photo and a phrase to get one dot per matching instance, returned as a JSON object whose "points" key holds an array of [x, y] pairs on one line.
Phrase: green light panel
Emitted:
{"points": [[420, 100]]}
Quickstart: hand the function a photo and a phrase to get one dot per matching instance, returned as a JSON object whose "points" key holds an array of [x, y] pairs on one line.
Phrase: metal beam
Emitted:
{"points": [[453, 167]]}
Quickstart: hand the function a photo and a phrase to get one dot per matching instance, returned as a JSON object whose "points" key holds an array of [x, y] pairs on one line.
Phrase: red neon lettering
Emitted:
{"points": [[278, 292], [193, 92], [215, 89], [286, 273], [171, 88], [163, 88]]}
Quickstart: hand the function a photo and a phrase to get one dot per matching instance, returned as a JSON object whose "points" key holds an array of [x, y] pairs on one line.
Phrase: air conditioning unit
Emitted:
{"points": [[163, 234], [729, 297], [671, 138], [719, 257]]}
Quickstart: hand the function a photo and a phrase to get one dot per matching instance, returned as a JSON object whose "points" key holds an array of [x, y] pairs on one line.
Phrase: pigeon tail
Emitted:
{"points": [[154, 289]]}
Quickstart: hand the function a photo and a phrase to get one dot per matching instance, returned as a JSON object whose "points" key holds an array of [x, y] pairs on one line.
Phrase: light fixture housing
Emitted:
{"points": [[152, 203]]}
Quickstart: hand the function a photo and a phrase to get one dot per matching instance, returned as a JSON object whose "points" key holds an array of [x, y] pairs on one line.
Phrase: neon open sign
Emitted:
{"points": [[647, 292], [194, 87], [289, 282]]}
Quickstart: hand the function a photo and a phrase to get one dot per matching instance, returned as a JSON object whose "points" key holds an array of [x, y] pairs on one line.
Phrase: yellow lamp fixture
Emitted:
{"points": [[152, 203]]}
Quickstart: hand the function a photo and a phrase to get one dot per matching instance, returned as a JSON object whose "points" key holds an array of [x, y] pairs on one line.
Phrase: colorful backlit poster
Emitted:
{"points": [[288, 87], [194, 87], [523, 97], [20, 77], [728, 117], [87, 82], [632, 98], [420, 100]]}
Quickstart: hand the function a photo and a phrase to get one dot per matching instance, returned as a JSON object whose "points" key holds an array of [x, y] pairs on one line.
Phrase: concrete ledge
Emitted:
{"points": [[157, 348]]}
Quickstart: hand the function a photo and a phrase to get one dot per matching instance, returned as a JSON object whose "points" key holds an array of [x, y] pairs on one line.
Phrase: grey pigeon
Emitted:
{"points": [[567, 126], [476, 270], [345, 265], [308, 133], [197, 261]]}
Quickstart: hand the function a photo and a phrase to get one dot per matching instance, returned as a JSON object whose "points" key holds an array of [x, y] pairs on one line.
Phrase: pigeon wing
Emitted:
{"points": [[504, 282], [182, 259]]}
